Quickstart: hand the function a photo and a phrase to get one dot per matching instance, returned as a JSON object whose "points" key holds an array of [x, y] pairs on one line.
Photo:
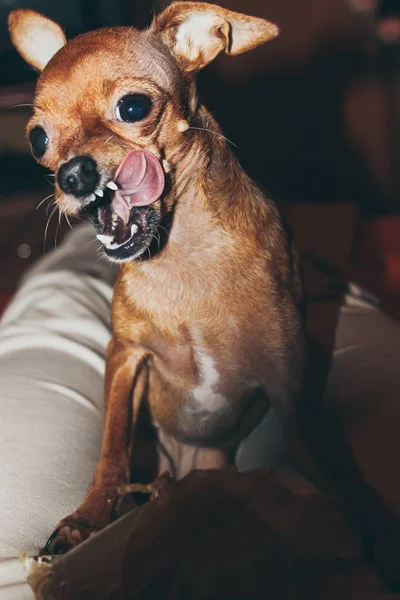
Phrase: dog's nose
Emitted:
{"points": [[79, 176]]}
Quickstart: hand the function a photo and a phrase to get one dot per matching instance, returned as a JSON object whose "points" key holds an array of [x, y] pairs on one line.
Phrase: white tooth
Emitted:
{"points": [[105, 239], [112, 185], [99, 192], [114, 246], [91, 198], [108, 240]]}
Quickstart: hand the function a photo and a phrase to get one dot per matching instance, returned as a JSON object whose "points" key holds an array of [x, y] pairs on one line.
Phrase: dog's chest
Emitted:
{"points": [[207, 403], [206, 393]]}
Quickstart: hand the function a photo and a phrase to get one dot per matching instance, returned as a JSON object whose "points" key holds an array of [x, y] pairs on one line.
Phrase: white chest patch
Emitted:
{"points": [[205, 393]]}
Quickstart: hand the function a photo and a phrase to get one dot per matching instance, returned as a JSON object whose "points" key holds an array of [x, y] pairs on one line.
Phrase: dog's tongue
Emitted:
{"points": [[140, 180]]}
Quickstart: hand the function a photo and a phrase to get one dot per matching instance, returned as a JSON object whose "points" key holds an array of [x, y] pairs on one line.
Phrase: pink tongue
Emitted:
{"points": [[140, 180]]}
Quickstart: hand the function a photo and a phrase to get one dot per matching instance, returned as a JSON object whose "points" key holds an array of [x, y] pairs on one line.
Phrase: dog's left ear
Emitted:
{"points": [[196, 32], [35, 37]]}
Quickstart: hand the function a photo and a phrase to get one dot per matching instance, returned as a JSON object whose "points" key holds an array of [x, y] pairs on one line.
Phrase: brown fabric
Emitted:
{"points": [[216, 535]]}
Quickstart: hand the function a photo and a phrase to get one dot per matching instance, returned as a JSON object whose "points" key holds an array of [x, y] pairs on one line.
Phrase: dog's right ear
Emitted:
{"points": [[196, 32], [35, 37]]}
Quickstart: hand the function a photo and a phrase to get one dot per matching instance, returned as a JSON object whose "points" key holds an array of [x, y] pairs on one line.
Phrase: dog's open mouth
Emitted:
{"points": [[124, 218]]}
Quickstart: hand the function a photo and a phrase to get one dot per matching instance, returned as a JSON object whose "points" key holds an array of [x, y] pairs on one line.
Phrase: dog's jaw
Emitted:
{"points": [[129, 241], [123, 214]]}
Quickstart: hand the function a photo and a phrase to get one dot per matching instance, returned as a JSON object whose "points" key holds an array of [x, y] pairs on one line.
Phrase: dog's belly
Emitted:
{"points": [[201, 397], [204, 418], [221, 420]]}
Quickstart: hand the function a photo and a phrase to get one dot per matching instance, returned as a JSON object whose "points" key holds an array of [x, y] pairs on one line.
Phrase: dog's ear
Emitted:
{"points": [[35, 37], [197, 32]]}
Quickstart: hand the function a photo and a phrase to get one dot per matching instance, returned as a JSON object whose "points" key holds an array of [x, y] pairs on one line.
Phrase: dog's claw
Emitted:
{"points": [[46, 549], [68, 535]]}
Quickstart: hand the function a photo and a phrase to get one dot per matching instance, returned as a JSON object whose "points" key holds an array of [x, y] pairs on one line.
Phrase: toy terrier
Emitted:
{"points": [[207, 316]]}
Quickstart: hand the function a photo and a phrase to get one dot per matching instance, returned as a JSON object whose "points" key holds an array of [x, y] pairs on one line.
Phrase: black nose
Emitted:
{"points": [[79, 176]]}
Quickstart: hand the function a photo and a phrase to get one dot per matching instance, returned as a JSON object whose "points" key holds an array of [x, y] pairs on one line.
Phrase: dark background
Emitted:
{"points": [[314, 115]]}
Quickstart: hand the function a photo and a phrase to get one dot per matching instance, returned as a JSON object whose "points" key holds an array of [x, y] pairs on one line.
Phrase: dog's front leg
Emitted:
{"points": [[125, 384]]}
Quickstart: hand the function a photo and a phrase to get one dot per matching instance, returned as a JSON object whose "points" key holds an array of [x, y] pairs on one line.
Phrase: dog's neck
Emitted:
{"points": [[208, 167], [214, 199]]}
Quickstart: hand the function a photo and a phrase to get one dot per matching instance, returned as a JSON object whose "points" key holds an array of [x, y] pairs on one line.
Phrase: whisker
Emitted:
{"points": [[44, 200], [20, 105], [57, 228], [153, 237], [101, 255], [158, 240], [161, 227], [159, 235], [215, 133], [47, 227], [68, 221], [213, 112], [49, 205], [110, 138]]}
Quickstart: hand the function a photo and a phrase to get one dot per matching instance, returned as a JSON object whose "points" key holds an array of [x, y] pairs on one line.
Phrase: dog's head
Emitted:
{"points": [[113, 110]]}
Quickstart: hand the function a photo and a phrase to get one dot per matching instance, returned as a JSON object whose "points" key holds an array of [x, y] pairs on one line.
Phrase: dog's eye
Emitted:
{"points": [[133, 107], [39, 141]]}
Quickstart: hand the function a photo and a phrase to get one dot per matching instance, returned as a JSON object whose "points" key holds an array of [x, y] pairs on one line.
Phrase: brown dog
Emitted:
{"points": [[207, 310]]}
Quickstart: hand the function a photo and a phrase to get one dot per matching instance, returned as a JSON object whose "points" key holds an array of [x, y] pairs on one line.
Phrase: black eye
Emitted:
{"points": [[133, 107], [38, 140]]}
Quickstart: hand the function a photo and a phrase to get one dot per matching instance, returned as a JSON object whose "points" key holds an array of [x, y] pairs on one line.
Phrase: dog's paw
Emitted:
{"points": [[68, 534]]}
